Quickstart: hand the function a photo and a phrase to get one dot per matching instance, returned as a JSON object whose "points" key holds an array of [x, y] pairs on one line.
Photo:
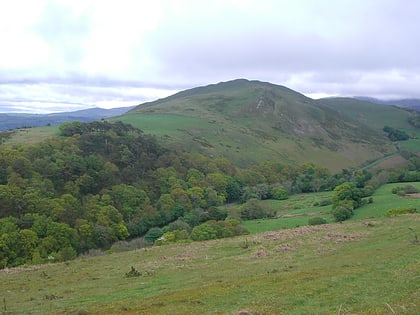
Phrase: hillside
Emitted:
{"points": [[349, 268], [375, 115], [251, 121]]}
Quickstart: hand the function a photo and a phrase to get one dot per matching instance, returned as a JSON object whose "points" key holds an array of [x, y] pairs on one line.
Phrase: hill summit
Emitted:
{"points": [[251, 121]]}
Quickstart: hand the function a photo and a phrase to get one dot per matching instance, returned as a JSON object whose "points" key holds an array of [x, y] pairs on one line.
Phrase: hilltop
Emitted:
{"points": [[252, 121]]}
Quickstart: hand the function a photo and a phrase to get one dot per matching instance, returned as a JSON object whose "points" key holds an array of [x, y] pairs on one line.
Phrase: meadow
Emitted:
{"points": [[368, 265]]}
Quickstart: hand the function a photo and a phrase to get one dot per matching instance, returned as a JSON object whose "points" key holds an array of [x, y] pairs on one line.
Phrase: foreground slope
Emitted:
{"points": [[251, 121], [360, 267]]}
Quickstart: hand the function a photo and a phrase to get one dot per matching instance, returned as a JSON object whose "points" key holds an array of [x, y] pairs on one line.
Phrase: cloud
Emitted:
{"points": [[104, 52]]}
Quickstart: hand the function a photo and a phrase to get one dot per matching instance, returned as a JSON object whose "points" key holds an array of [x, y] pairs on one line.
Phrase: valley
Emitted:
{"points": [[241, 197]]}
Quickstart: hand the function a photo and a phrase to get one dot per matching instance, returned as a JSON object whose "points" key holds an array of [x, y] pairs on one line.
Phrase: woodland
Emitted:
{"points": [[98, 183]]}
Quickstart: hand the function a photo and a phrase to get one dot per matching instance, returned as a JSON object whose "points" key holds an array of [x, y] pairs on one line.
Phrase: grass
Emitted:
{"points": [[348, 268], [384, 200], [298, 209], [367, 265], [32, 135]]}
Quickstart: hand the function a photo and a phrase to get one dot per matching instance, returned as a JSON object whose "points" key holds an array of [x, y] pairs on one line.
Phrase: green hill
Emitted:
{"points": [[251, 121]]}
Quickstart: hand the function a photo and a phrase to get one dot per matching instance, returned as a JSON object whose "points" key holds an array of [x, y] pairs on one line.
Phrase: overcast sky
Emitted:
{"points": [[67, 55]]}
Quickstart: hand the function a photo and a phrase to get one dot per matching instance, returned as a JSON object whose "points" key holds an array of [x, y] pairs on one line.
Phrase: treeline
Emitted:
{"points": [[395, 134], [99, 183]]}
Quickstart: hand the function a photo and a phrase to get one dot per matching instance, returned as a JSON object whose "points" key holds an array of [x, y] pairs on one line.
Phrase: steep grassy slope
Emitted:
{"points": [[252, 121], [356, 267], [377, 116]]}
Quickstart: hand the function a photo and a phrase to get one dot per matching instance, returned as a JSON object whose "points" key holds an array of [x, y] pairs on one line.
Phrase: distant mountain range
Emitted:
{"points": [[19, 120]]}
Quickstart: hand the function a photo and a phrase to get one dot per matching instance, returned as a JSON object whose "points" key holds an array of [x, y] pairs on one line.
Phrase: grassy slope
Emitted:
{"points": [[377, 116], [32, 135], [348, 268], [252, 121]]}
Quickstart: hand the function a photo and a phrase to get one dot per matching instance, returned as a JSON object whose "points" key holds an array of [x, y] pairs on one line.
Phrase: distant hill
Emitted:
{"points": [[372, 114], [409, 103], [252, 121], [18, 120]]}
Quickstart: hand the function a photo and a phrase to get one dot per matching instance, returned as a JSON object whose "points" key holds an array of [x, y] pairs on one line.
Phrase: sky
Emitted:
{"points": [[70, 55]]}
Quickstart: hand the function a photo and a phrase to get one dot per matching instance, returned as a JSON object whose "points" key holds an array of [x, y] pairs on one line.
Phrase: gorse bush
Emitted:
{"points": [[316, 221], [217, 229], [400, 210]]}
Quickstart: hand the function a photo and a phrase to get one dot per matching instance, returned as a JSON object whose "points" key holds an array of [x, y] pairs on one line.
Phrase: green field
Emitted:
{"points": [[298, 209], [32, 135], [349, 268], [368, 265]]}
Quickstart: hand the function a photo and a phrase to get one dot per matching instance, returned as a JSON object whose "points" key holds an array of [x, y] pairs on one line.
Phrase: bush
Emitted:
{"points": [[67, 253], [403, 190], [342, 214], [401, 210], [367, 191], [217, 229], [172, 237], [325, 202], [317, 221], [153, 234], [177, 225], [255, 209], [279, 193]]}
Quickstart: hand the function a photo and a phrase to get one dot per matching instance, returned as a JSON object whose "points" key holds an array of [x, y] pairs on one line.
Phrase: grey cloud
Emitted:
{"points": [[64, 31]]}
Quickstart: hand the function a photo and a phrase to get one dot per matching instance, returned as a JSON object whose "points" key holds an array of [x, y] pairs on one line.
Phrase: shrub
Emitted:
{"points": [[217, 229], [279, 193], [317, 221], [133, 273], [342, 214], [367, 191], [172, 237], [123, 246], [153, 234], [255, 209], [400, 210], [67, 253], [343, 210], [325, 202], [403, 190], [177, 225]]}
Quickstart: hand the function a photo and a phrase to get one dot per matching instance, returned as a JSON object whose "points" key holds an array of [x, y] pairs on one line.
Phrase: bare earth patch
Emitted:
{"points": [[292, 233], [20, 269], [416, 195], [261, 253], [340, 237]]}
